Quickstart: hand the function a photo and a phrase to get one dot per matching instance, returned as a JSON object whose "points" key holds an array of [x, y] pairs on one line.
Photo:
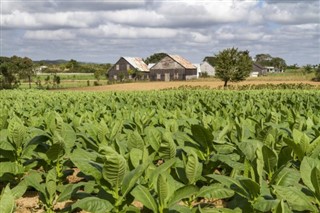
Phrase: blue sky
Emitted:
{"points": [[102, 31]]}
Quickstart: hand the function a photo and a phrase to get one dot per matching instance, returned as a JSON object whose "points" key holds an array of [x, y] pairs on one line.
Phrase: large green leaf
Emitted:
{"points": [[68, 191], [295, 198], [17, 132], [282, 207], [251, 187], [265, 205], [193, 168], [248, 148], [184, 192], [202, 136], [93, 204], [51, 185], [6, 201], [162, 189], [11, 167], [85, 161], [136, 156], [143, 195], [315, 180], [231, 183], [215, 191], [285, 177], [55, 151], [114, 169], [153, 137], [131, 178], [34, 180], [168, 147], [306, 167], [116, 128], [135, 141], [161, 169], [270, 159]]}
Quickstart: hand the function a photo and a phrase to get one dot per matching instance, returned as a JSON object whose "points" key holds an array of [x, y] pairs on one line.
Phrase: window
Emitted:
{"points": [[117, 67], [128, 66], [158, 76], [176, 76], [130, 77], [115, 77]]}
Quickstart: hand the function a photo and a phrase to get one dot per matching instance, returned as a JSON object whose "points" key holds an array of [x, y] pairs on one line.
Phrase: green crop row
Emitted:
{"points": [[162, 151]]}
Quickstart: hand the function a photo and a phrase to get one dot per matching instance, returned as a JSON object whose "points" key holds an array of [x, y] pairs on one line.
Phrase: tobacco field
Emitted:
{"points": [[200, 150]]}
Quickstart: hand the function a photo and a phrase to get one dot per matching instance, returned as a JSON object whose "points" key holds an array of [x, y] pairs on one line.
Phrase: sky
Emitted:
{"points": [[102, 31]]}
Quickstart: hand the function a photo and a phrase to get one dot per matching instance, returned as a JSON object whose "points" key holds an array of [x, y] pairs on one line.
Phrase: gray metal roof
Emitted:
{"points": [[137, 63], [182, 61]]}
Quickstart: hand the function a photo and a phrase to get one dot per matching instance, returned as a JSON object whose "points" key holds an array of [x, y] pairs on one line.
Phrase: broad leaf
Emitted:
{"points": [[6, 200], [270, 159], [162, 189], [114, 169], [93, 204], [202, 136], [143, 195], [295, 198], [193, 168], [306, 167], [215, 191], [182, 193]]}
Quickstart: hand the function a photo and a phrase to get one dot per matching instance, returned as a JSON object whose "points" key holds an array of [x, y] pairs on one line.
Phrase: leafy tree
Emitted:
{"points": [[155, 58], [279, 63], [211, 60], [317, 78], [25, 66], [263, 59], [72, 64], [268, 60], [98, 73], [7, 69], [14, 67], [233, 65], [307, 69]]}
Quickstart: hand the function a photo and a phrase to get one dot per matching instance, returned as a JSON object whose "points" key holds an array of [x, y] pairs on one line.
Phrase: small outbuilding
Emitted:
{"points": [[173, 67], [257, 70], [128, 68], [207, 68]]}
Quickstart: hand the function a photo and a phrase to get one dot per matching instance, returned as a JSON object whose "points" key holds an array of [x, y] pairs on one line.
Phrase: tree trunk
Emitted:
{"points": [[29, 77], [225, 83]]}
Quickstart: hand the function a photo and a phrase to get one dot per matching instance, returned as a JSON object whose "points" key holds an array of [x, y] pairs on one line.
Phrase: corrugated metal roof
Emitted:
{"points": [[137, 63], [151, 65], [182, 61]]}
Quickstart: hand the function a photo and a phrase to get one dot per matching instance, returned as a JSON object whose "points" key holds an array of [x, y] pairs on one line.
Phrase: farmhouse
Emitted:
{"points": [[173, 67], [128, 68], [206, 67], [257, 70]]}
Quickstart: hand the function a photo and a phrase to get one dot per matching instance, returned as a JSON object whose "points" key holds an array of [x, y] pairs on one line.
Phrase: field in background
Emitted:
{"points": [[87, 82]]}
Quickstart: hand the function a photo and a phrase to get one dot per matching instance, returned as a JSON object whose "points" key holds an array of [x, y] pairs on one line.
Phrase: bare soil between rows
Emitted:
{"points": [[148, 86]]}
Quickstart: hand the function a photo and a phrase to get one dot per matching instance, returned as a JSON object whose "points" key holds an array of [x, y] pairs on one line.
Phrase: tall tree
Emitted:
{"points": [[14, 67], [155, 58], [279, 63], [25, 66], [233, 65], [8, 70]]}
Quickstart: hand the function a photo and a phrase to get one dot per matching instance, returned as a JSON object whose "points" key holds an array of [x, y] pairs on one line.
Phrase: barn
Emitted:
{"points": [[171, 68], [128, 68]]}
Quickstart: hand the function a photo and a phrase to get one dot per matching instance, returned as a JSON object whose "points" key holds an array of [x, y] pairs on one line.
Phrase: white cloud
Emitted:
{"points": [[49, 35]]}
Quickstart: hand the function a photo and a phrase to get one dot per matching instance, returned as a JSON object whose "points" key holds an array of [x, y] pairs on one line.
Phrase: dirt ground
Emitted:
{"points": [[143, 86]]}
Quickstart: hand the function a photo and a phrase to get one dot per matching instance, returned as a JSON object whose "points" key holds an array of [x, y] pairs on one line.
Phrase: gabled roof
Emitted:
{"points": [[257, 67], [182, 61], [137, 63]]}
